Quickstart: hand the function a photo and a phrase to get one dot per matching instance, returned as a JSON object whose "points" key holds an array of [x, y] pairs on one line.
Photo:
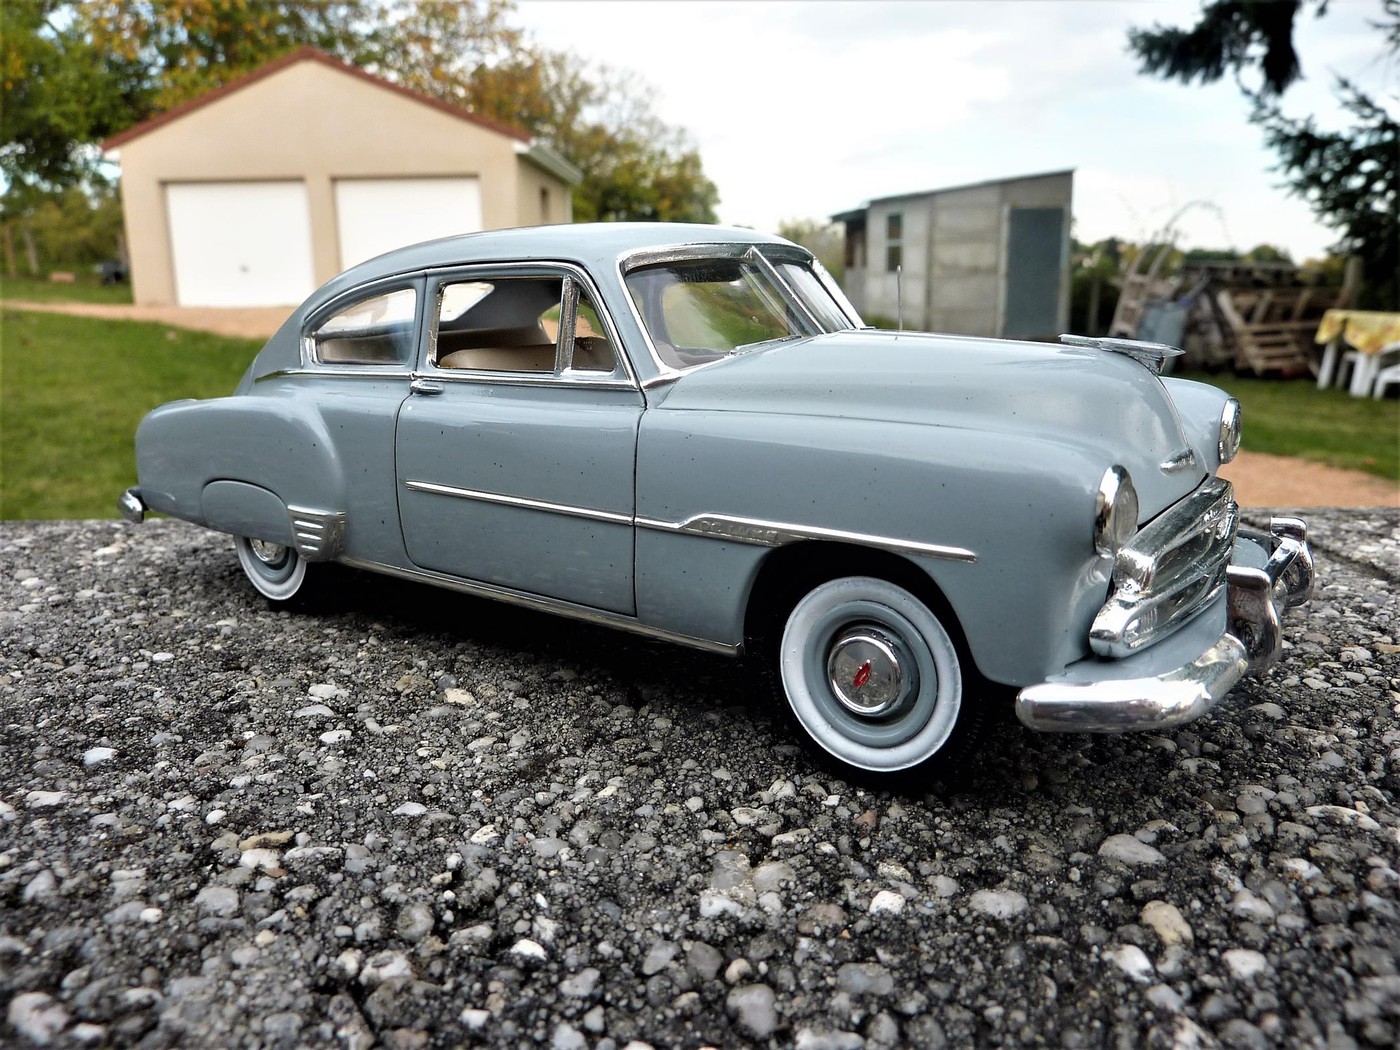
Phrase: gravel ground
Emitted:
{"points": [[423, 820]]}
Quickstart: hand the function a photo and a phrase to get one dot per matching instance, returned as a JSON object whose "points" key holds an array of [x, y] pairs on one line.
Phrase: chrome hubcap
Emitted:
{"points": [[866, 672], [268, 553]]}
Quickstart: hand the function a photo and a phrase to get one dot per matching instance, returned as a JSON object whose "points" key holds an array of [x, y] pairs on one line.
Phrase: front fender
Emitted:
{"points": [[1024, 508]]}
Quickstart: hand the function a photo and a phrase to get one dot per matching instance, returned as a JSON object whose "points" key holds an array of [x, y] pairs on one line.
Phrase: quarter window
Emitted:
{"points": [[374, 331]]}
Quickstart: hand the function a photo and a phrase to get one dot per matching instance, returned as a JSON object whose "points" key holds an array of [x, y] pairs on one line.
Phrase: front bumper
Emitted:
{"points": [[1184, 676]]}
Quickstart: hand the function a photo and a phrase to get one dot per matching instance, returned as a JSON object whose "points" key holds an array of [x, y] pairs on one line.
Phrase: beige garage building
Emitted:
{"points": [[258, 192]]}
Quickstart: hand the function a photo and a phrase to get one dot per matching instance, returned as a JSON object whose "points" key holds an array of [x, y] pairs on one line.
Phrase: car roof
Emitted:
{"points": [[588, 244]]}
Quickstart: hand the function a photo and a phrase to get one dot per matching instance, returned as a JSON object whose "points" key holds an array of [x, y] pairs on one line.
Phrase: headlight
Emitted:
{"points": [[1229, 430], [1115, 516]]}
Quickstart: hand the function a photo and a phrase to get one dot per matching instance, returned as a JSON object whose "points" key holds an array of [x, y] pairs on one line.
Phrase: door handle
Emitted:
{"points": [[425, 386]]}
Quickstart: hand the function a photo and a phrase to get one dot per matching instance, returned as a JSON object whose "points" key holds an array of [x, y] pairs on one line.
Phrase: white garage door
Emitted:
{"points": [[240, 243], [377, 215]]}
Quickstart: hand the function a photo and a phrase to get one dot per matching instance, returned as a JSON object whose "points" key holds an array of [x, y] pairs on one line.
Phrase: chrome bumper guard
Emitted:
{"points": [[1257, 598], [132, 506]]}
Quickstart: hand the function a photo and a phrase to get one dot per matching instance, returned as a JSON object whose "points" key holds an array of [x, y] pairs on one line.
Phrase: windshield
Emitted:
{"points": [[699, 310]]}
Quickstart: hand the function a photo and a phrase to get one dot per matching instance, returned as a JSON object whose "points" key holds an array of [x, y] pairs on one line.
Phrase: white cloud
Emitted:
{"points": [[805, 109]]}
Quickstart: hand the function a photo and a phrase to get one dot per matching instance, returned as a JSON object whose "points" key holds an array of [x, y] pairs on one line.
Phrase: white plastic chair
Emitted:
{"points": [[1387, 367]]}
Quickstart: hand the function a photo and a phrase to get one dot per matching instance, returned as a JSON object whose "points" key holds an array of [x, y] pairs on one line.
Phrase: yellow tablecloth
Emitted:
{"points": [[1366, 330]]}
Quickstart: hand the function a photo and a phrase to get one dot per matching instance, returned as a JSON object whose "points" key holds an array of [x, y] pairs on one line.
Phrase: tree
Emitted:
{"points": [[77, 71], [1350, 176], [825, 240]]}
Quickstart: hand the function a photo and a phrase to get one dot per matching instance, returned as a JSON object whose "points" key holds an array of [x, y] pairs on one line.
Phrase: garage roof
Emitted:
{"points": [[309, 54]]}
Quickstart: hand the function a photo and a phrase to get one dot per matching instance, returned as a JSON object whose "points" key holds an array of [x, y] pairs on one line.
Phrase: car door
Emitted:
{"points": [[516, 449]]}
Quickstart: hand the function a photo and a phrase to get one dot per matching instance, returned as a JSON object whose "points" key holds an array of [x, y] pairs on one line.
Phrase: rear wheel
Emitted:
{"points": [[277, 571], [874, 678]]}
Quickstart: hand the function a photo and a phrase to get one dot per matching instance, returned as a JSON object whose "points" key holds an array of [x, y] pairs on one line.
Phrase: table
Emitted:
{"points": [[1369, 332]]}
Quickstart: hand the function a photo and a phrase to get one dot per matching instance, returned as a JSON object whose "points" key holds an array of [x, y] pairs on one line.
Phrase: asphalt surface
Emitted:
{"points": [[420, 820]]}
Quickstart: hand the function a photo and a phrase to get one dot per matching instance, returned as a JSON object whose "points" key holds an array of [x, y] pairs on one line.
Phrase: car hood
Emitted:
{"points": [[1085, 398]]}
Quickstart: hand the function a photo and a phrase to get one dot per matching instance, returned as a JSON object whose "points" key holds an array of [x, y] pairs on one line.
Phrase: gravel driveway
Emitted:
{"points": [[424, 820]]}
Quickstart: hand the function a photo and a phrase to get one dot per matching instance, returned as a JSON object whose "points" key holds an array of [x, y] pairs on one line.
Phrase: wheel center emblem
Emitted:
{"points": [[866, 672], [862, 676]]}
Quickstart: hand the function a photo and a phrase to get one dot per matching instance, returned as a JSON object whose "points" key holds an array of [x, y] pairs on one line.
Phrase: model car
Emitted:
{"points": [[687, 432]]}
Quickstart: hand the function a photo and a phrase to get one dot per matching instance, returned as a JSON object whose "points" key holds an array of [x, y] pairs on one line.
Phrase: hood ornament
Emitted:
{"points": [[1152, 356]]}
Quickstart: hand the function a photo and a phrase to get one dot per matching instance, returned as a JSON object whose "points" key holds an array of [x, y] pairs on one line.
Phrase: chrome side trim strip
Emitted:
{"points": [[132, 506], [713, 526], [520, 501], [549, 605], [775, 534]]}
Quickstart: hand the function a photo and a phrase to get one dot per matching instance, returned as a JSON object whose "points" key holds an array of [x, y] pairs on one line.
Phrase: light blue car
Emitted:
{"points": [[687, 432]]}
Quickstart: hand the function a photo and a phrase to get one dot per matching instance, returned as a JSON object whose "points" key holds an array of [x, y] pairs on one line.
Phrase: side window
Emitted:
{"points": [[498, 325], [374, 331], [512, 324]]}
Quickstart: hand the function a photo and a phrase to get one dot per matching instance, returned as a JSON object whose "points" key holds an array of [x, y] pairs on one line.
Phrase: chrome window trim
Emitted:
{"points": [[586, 613], [724, 527], [766, 266], [306, 344], [479, 496], [569, 377], [333, 372]]}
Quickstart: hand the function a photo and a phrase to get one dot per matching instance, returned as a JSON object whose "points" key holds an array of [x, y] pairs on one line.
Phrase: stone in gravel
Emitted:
{"points": [[335, 736], [1166, 920], [414, 923], [1341, 814], [528, 952], [45, 799], [999, 904], [219, 901], [737, 970], [752, 1007], [42, 887], [1133, 961], [37, 1017], [822, 1039], [772, 876], [581, 984], [886, 902], [384, 966], [1247, 906], [266, 859], [475, 1020], [659, 957], [1163, 997], [411, 809], [265, 840], [548, 848], [704, 960], [313, 711], [714, 904], [1245, 963], [96, 755], [864, 979], [567, 1037], [1128, 850], [280, 1029]]}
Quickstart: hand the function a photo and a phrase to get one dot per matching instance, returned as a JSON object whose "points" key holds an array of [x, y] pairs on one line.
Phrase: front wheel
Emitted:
{"points": [[873, 677], [277, 571]]}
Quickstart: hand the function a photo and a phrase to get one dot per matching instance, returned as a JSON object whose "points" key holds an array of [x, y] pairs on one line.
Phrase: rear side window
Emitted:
{"points": [[378, 330]]}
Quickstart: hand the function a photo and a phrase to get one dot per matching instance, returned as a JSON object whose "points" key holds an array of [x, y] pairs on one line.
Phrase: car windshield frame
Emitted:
{"points": [[763, 272]]}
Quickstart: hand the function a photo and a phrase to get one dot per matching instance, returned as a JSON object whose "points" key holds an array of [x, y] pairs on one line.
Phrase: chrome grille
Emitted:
{"points": [[1174, 567]]}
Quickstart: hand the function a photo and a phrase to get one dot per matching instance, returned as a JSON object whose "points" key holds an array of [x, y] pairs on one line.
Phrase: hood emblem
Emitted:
{"points": [[1150, 355]]}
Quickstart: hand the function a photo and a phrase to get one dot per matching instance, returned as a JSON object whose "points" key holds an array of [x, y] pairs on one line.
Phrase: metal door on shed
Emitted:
{"points": [[1035, 248]]}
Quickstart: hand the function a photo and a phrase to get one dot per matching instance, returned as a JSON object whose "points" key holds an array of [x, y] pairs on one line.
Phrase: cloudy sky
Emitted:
{"points": [[803, 109]]}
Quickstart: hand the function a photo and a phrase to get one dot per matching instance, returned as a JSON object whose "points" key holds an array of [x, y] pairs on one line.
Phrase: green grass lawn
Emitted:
{"points": [[1292, 417], [86, 289], [72, 390]]}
